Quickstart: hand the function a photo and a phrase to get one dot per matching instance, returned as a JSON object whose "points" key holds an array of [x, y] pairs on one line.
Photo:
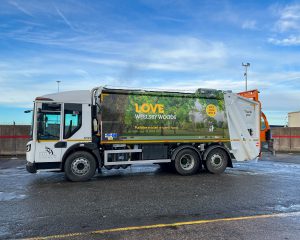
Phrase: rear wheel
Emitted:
{"points": [[187, 162], [216, 161], [80, 166]]}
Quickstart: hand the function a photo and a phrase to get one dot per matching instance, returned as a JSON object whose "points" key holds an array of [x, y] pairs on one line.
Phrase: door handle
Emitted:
{"points": [[60, 145]]}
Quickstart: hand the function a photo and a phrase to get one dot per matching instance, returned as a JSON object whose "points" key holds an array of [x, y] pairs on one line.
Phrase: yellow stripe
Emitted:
{"points": [[78, 140], [163, 141], [178, 224], [151, 141], [154, 226], [238, 140], [66, 140]]}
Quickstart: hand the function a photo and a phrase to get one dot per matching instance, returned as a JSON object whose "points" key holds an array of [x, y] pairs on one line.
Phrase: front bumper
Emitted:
{"points": [[30, 167]]}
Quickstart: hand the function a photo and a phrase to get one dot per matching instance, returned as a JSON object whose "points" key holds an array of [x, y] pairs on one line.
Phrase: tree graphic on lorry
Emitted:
{"points": [[175, 112], [157, 115], [211, 123], [112, 113]]}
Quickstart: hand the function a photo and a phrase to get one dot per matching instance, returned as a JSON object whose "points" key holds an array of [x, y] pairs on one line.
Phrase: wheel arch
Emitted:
{"points": [[212, 147], [181, 147], [88, 147]]}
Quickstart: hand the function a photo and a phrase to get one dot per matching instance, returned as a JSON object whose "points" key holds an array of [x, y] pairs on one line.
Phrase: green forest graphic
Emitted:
{"points": [[162, 116]]}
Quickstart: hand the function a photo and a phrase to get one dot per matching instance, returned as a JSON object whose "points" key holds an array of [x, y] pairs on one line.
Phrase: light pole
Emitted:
{"points": [[246, 73], [58, 82]]}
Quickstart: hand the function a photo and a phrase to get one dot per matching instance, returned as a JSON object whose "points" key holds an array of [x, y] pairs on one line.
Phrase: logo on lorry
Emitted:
{"points": [[149, 108], [49, 150], [211, 110], [47, 154], [149, 111]]}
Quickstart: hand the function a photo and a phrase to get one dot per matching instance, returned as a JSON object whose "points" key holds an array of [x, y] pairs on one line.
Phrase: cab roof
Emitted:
{"points": [[79, 96]]}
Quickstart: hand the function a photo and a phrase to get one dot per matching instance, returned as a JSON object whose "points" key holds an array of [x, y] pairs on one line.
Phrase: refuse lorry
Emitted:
{"points": [[78, 132]]}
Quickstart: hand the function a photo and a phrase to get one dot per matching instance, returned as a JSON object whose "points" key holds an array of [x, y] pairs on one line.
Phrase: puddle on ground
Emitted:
{"points": [[3, 231], [11, 196], [293, 207]]}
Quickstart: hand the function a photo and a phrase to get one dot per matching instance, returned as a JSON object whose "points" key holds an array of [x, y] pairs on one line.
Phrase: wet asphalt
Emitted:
{"points": [[45, 204]]}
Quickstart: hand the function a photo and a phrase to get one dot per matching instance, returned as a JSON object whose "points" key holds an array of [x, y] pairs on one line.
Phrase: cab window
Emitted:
{"points": [[49, 122], [72, 119]]}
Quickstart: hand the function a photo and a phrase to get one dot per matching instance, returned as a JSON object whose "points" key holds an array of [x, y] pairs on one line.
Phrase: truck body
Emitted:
{"points": [[80, 131]]}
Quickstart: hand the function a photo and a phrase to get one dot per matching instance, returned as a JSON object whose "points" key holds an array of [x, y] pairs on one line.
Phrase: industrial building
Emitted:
{"points": [[294, 119]]}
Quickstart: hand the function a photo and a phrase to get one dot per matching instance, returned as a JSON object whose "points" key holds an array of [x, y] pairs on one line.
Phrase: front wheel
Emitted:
{"points": [[187, 162], [80, 166], [216, 161]]}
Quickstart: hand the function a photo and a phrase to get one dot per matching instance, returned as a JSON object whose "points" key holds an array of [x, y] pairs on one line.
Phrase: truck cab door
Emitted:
{"points": [[48, 147]]}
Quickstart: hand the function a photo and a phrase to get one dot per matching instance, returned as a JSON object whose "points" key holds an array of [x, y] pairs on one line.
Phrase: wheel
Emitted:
{"points": [[80, 166], [187, 162], [216, 161]]}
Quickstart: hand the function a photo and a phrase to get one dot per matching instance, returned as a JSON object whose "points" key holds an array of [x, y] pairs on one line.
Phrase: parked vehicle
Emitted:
{"points": [[80, 131]]}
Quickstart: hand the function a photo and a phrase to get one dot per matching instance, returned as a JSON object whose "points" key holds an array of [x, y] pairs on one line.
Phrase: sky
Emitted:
{"points": [[163, 44]]}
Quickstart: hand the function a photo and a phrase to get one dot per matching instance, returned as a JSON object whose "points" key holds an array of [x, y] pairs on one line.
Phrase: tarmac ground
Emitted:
{"points": [[254, 200]]}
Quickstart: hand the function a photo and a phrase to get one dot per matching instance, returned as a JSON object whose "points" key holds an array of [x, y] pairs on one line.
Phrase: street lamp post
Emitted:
{"points": [[246, 72], [58, 82]]}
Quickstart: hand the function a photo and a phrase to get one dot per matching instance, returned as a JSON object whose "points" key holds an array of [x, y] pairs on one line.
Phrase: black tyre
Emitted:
{"points": [[187, 162], [216, 161], [80, 166]]}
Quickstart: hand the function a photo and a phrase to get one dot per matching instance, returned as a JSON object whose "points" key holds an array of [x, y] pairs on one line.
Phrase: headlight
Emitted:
{"points": [[28, 148]]}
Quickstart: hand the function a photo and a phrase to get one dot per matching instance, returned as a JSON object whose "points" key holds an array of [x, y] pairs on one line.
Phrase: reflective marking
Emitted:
{"points": [[15, 136], [78, 140], [174, 141], [162, 141], [66, 140], [285, 136], [198, 222]]}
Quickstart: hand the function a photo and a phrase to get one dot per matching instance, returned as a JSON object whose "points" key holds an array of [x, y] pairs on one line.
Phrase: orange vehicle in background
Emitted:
{"points": [[264, 124]]}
